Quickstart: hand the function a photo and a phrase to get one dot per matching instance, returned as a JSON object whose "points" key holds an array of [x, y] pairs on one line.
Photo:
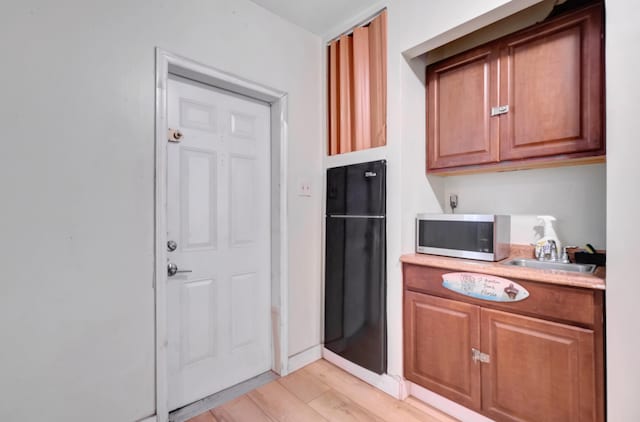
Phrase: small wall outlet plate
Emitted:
{"points": [[304, 187], [453, 201]]}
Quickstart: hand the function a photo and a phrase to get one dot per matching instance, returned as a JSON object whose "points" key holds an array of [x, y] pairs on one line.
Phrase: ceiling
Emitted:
{"points": [[317, 16]]}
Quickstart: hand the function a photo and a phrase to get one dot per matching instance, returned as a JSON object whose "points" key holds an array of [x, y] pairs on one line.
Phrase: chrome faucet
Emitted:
{"points": [[553, 250], [549, 252]]}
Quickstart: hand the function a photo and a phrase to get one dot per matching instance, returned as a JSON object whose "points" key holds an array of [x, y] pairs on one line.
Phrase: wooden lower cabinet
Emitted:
{"points": [[538, 370], [439, 336], [531, 369]]}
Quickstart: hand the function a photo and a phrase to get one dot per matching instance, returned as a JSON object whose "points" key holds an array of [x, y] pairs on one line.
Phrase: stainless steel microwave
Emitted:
{"points": [[475, 236]]}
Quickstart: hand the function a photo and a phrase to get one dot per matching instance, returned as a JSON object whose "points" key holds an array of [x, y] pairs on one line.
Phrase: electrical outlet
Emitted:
{"points": [[304, 188], [453, 202]]}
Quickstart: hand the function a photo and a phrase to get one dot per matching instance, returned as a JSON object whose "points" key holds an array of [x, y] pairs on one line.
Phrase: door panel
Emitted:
{"points": [[197, 325], [218, 210], [242, 211], [548, 65], [243, 125], [196, 115], [198, 198], [440, 334], [243, 309], [461, 92], [538, 370], [552, 84]]}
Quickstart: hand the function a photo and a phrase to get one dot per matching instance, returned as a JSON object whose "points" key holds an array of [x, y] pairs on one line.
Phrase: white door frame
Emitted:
{"points": [[168, 63]]}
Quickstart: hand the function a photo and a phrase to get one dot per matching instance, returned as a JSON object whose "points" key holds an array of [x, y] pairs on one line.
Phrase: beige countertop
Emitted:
{"points": [[590, 281]]}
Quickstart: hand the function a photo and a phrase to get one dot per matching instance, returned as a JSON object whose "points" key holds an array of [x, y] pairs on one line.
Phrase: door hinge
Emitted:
{"points": [[478, 356], [496, 111], [174, 135]]}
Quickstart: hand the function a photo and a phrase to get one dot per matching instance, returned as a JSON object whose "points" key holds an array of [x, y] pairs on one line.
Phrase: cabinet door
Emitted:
{"points": [[461, 92], [551, 79], [538, 370], [439, 336]]}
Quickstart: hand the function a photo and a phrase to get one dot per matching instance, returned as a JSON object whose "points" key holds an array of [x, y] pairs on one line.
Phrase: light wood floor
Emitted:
{"points": [[320, 392]]}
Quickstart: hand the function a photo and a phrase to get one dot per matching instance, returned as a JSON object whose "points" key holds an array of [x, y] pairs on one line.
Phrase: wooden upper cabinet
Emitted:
{"points": [[538, 370], [460, 92], [551, 78], [523, 101], [439, 336]]}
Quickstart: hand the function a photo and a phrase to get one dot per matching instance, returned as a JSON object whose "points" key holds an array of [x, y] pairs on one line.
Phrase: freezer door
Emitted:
{"points": [[358, 189], [355, 291]]}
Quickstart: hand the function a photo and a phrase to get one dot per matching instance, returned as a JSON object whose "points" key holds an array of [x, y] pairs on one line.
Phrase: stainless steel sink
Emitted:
{"points": [[551, 265]]}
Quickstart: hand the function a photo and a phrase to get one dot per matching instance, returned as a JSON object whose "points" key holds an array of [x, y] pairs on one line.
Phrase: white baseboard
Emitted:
{"points": [[149, 419], [395, 387], [304, 358], [445, 405]]}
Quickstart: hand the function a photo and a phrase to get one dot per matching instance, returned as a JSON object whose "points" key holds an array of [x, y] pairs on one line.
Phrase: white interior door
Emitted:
{"points": [[218, 214]]}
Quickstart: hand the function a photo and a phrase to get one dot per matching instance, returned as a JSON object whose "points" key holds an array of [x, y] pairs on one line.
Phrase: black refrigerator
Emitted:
{"points": [[355, 264]]}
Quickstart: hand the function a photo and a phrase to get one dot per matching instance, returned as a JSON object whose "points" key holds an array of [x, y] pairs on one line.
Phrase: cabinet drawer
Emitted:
{"points": [[548, 301]]}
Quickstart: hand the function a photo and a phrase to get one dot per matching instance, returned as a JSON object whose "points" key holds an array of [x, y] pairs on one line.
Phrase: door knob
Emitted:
{"points": [[172, 269], [171, 245]]}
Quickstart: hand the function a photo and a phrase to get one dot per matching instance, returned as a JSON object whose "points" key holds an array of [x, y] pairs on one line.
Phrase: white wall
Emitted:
{"points": [[623, 209], [77, 183], [576, 196]]}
